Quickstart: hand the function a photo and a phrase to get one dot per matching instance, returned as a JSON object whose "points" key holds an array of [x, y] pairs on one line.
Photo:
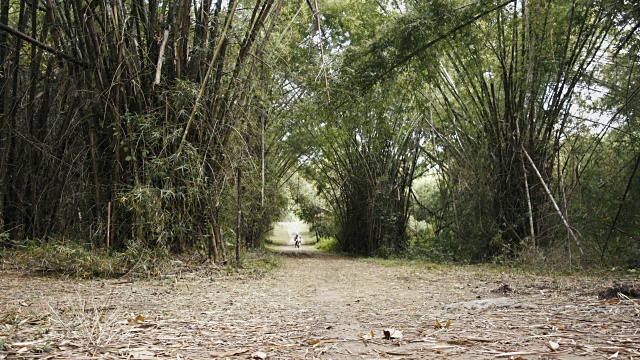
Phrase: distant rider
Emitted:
{"points": [[297, 240]]}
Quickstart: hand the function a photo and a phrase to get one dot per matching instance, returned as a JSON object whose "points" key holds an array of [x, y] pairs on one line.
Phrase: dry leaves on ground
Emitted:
{"points": [[318, 307]]}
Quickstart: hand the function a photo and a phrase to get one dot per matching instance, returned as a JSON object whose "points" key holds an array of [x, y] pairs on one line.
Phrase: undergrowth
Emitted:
{"points": [[64, 257], [260, 261], [328, 244]]}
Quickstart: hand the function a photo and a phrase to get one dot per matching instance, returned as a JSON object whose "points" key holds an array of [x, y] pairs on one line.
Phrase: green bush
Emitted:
{"points": [[328, 244]]}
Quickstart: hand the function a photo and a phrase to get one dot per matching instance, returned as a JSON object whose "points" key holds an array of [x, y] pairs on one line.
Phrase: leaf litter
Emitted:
{"points": [[317, 307]]}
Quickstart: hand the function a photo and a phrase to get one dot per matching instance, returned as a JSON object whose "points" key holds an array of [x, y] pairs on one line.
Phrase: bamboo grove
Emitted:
{"points": [[176, 124], [488, 100], [130, 120]]}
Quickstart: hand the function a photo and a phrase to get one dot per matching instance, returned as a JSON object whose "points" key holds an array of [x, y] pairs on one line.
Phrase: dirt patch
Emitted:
{"points": [[315, 307]]}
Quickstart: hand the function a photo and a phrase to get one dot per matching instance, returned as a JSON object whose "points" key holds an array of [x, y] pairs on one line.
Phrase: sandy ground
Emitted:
{"points": [[318, 306]]}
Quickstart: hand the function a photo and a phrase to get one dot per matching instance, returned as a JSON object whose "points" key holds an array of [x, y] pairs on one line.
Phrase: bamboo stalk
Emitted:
{"points": [[239, 223], [529, 206], [108, 223], [262, 158], [165, 37], [206, 77], [555, 204]]}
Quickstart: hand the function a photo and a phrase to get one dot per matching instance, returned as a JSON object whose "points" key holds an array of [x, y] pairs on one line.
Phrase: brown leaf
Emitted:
{"points": [[380, 352], [229, 353], [137, 320]]}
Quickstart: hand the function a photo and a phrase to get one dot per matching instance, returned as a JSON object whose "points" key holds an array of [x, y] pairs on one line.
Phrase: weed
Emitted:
{"points": [[94, 324]]}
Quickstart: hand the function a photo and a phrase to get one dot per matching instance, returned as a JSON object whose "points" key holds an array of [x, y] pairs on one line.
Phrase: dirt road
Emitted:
{"points": [[317, 306]]}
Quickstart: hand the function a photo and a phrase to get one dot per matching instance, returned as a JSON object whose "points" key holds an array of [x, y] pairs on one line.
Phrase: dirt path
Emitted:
{"points": [[317, 306]]}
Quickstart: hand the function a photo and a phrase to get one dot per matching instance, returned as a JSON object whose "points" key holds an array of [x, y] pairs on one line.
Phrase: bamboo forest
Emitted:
{"points": [[319, 179]]}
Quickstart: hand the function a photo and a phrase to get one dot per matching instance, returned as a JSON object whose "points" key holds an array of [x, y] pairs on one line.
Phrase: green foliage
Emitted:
{"points": [[311, 208], [328, 244], [607, 191], [364, 163], [492, 101], [496, 110], [143, 154]]}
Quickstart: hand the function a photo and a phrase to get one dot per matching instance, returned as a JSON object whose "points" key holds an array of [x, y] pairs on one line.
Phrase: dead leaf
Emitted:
{"points": [[397, 353], [380, 352], [553, 345], [229, 353], [391, 334], [137, 320], [313, 342], [142, 354], [259, 355]]}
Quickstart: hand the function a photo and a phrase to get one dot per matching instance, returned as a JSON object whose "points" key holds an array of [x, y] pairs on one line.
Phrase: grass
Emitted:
{"points": [[260, 261], [63, 257], [66, 257], [72, 258]]}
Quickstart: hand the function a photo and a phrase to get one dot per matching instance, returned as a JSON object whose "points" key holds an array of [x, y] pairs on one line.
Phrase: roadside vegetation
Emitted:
{"points": [[137, 133]]}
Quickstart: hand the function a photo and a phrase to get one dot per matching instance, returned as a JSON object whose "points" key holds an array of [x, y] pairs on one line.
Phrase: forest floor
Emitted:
{"points": [[319, 306]]}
